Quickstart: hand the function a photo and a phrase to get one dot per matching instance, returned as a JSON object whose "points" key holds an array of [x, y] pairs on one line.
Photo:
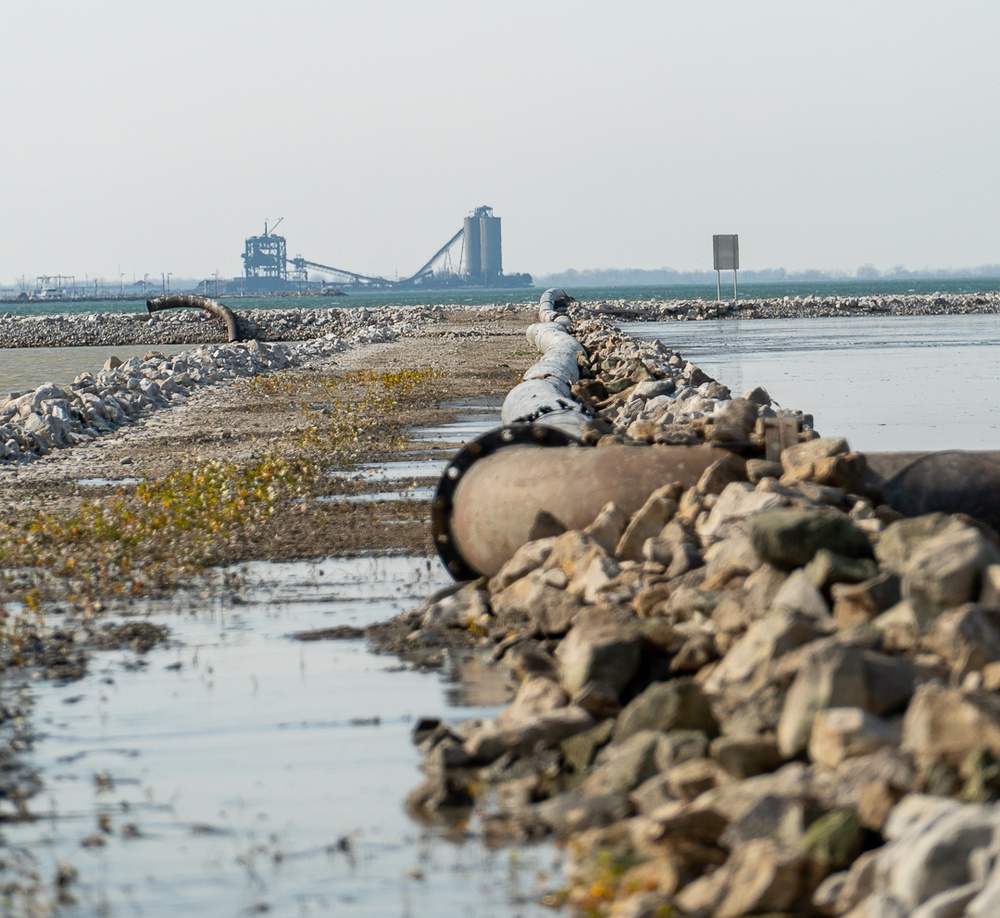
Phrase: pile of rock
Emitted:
{"points": [[766, 693], [55, 417], [193, 326], [643, 391], [801, 307]]}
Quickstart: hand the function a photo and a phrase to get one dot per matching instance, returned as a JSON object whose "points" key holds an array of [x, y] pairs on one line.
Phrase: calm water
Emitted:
{"points": [[26, 368], [893, 383]]}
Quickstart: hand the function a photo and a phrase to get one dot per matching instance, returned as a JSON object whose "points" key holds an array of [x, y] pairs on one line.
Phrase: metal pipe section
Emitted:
{"points": [[497, 489], [499, 486], [199, 302], [546, 392], [949, 481]]}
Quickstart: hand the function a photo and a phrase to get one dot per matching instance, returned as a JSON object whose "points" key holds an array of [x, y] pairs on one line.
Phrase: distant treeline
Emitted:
{"points": [[605, 277]]}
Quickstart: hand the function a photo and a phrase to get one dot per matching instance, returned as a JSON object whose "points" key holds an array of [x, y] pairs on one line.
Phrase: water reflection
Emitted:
{"points": [[888, 383], [238, 770]]}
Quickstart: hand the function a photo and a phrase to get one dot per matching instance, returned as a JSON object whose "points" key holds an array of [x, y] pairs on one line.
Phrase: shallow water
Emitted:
{"points": [[404, 494], [403, 469], [27, 368], [887, 383], [238, 769], [463, 429]]}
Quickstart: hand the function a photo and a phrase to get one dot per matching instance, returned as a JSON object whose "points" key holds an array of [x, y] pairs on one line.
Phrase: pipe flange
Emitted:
{"points": [[483, 446]]}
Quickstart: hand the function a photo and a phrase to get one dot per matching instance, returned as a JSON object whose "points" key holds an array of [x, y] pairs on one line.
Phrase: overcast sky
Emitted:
{"points": [[147, 136]]}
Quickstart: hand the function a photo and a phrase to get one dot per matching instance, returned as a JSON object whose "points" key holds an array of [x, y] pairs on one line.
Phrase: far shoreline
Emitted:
{"points": [[193, 327]]}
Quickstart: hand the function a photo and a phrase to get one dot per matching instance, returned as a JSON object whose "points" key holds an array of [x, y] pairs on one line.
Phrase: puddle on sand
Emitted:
{"points": [[238, 771], [379, 496], [402, 470], [466, 428]]}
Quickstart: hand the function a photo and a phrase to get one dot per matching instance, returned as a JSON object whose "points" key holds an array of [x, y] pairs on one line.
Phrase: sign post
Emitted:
{"points": [[726, 250]]}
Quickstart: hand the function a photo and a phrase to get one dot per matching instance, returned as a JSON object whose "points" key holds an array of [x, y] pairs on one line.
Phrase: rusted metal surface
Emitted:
{"points": [[199, 302], [494, 492]]}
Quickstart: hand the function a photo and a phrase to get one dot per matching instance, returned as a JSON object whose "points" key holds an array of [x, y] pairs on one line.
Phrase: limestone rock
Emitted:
{"points": [[529, 556], [967, 637], [607, 527], [799, 595], [932, 850], [723, 472], [572, 813], [857, 603], [759, 877], [897, 543], [550, 609], [676, 705], [622, 767], [944, 725], [536, 695], [687, 780], [737, 501], [946, 571], [744, 757], [841, 733], [648, 521], [598, 649], [759, 469], [828, 569], [586, 565], [579, 750], [790, 537], [736, 420], [827, 461], [765, 641], [524, 735], [832, 677]]}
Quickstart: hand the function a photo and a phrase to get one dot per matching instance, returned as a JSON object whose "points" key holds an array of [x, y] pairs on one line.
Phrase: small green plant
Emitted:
{"points": [[149, 538]]}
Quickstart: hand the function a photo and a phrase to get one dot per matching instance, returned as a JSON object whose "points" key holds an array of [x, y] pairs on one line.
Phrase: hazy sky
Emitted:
{"points": [[155, 136]]}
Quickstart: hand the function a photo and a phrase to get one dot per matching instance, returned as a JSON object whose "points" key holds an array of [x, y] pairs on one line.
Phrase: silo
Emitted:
{"points": [[472, 243], [492, 260]]}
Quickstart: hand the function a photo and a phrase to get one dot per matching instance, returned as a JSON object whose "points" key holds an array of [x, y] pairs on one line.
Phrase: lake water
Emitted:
{"points": [[26, 368], [891, 383]]}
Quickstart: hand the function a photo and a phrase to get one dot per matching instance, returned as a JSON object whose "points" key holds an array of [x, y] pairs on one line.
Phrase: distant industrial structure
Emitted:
{"points": [[472, 257], [268, 269]]}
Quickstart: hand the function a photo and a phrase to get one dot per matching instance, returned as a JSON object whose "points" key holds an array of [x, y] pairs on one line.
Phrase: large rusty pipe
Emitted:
{"points": [[214, 307], [488, 504], [492, 496]]}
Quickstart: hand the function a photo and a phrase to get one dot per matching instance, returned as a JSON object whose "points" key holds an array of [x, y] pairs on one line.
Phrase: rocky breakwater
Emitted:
{"points": [[60, 416], [766, 692], [803, 307], [192, 326]]}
